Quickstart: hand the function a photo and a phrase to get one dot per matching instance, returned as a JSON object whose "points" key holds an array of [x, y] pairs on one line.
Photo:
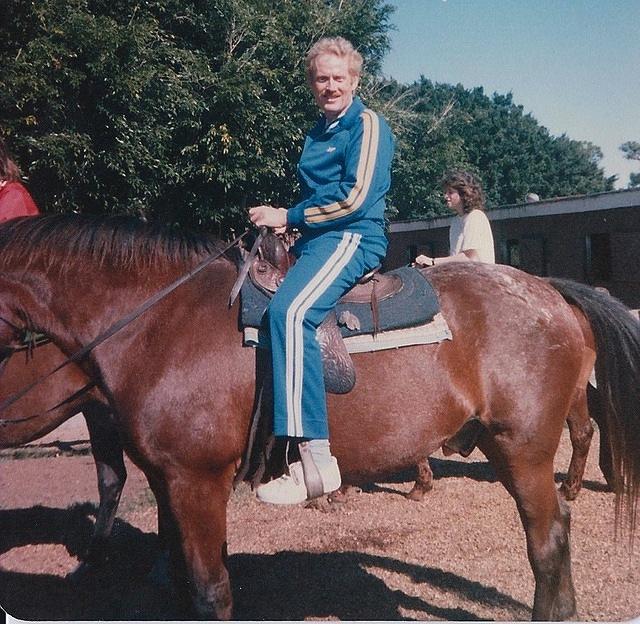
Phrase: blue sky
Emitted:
{"points": [[573, 64]]}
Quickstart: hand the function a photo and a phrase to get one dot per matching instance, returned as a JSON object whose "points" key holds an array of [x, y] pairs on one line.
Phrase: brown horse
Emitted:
{"points": [[182, 384], [68, 393]]}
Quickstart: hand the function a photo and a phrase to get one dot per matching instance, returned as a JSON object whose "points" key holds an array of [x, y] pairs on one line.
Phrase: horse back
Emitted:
{"points": [[513, 364]]}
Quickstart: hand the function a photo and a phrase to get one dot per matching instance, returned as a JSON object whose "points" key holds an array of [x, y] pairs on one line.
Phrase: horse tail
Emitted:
{"points": [[617, 339]]}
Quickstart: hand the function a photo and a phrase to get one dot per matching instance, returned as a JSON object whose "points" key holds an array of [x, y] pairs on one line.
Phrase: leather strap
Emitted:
{"points": [[16, 421], [374, 308], [242, 275], [312, 478]]}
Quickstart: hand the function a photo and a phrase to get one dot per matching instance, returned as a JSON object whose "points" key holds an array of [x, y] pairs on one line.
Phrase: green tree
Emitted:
{"points": [[492, 136], [179, 110], [94, 105], [425, 148], [631, 151], [187, 111]]}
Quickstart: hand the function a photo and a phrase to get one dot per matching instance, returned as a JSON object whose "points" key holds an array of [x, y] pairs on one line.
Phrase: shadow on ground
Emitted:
{"points": [[285, 586], [116, 590], [474, 470], [300, 585]]}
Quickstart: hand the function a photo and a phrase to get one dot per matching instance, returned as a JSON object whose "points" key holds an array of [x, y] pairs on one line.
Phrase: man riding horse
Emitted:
{"points": [[344, 173]]}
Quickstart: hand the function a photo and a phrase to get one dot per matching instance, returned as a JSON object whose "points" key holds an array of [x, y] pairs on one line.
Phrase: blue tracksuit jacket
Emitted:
{"points": [[344, 173]]}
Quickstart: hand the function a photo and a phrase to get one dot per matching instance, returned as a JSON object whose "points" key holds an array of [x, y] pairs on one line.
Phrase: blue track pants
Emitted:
{"points": [[326, 268]]}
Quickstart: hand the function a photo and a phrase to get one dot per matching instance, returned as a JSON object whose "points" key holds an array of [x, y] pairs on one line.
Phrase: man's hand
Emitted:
{"points": [[274, 218]]}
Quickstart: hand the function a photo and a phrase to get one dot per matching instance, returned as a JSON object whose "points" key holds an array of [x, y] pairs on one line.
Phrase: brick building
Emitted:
{"points": [[593, 239]]}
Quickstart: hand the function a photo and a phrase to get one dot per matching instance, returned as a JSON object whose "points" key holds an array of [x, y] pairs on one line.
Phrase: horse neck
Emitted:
{"points": [[74, 307]]}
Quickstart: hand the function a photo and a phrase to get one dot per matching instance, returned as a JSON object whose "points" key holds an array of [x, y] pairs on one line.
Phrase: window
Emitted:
{"points": [[625, 249], [513, 253], [598, 257]]}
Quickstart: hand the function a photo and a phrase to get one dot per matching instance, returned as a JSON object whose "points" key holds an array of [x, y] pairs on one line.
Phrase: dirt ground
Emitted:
{"points": [[459, 555]]}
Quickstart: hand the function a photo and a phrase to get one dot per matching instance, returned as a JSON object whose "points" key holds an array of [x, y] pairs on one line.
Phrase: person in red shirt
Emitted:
{"points": [[15, 200]]}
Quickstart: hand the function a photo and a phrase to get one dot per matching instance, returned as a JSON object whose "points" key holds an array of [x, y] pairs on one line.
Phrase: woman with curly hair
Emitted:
{"points": [[470, 236], [15, 200]]}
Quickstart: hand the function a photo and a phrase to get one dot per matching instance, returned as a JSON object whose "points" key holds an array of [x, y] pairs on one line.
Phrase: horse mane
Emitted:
{"points": [[62, 241]]}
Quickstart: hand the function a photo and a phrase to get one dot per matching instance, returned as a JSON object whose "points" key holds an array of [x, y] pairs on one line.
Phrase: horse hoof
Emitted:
{"points": [[344, 494], [415, 495], [418, 494], [320, 504], [568, 493]]}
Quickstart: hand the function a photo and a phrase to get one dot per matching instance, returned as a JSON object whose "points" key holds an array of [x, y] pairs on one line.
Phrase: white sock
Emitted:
{"points": [[321, 452]]}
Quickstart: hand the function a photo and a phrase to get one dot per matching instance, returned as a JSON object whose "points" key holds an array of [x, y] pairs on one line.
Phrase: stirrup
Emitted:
{"points": [[312, 478]]}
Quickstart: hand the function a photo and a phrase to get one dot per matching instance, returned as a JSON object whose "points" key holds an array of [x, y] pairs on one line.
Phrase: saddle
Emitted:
{"points": [[273, 261], [377, 303]]}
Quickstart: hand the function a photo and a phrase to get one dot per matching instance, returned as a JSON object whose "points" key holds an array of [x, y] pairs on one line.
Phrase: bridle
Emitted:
{"points": [[110, 331]]}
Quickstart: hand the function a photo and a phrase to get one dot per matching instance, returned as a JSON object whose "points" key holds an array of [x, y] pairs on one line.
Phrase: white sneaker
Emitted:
{"points": [[291, 489]]}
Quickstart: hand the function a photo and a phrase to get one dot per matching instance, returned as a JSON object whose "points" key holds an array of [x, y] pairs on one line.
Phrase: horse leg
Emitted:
{"points": [[596, 410], [605, 462], [165, 570], [580, 432], [545, 516], [424, 481], [198, 503], [168, 571], [112, 474]]}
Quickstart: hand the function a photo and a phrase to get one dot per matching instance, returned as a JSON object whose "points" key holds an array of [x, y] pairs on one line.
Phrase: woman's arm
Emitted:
{"points": [[468, 255]]}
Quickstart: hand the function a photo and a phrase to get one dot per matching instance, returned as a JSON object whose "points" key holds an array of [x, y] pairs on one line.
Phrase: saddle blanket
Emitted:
{"points": [[436, 330], [415, 304], [409, 317]]}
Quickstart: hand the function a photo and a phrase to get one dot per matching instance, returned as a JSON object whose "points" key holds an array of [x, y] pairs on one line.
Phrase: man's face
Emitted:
{"points": [[333, 85]]}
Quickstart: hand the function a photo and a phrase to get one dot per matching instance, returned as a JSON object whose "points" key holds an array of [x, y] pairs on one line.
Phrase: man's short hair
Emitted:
{"points": [[338, 46]]}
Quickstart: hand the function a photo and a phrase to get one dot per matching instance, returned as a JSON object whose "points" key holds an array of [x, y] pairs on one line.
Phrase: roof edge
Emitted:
{"points": [[607, 200]]}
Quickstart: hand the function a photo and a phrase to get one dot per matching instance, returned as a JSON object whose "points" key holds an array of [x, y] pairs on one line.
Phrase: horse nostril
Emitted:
{"points": [[261, 267]]}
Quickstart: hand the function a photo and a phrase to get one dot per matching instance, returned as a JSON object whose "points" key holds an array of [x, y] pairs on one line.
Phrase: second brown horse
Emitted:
{"points": [[50, 404]]}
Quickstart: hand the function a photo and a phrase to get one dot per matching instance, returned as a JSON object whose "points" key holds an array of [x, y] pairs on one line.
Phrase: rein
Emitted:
{"points": [[244, 271], [116, 327]]}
